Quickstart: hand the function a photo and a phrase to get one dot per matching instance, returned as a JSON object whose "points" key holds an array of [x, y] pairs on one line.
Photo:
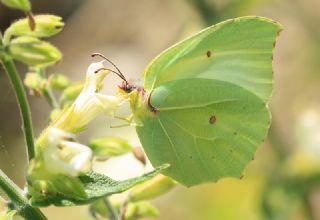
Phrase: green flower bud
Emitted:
{"points": [[140, 210], [34, 82], [54, 114], [155, 187], [51, 184], [98, 209], [71, 93], [59, 81], [110, 147], [45, 26], [33, 51], [23, 5]]}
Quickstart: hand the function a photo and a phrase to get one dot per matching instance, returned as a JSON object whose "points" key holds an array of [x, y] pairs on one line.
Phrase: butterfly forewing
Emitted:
{"points": [[237, 51]]}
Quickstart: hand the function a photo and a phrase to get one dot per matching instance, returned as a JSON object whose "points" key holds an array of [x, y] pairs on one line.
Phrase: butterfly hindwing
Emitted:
{"points": [[204, 128]]}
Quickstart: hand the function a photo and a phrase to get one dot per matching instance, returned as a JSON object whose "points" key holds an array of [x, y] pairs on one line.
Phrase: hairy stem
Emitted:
{"points": [[23, 104], [19, 201]]}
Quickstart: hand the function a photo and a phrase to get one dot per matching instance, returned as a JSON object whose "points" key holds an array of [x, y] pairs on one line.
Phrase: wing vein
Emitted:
{"points": [[198, 105], [172, 147]]}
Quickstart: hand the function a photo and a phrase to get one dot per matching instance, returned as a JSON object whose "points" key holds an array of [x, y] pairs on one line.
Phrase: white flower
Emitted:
{"points": [[64, 156], [89, 103]]}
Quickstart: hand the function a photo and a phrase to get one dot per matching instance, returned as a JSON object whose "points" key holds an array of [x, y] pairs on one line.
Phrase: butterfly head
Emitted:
{"points": [[127, 87]]}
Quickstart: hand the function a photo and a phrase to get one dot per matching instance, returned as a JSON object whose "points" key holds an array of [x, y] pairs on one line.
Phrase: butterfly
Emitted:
{"points": [[203, 105]]}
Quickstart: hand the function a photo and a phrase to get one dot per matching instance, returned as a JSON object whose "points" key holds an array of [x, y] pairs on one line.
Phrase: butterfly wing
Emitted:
{"points": [[207, 108], [204, 128], [237, 51]]}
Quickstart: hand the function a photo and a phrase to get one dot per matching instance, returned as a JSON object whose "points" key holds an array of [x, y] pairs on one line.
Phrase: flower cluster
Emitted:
{"points": [[57, 151]]}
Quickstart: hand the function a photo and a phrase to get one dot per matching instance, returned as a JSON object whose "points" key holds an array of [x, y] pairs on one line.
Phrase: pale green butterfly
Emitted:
{"points": [[203, 106]]}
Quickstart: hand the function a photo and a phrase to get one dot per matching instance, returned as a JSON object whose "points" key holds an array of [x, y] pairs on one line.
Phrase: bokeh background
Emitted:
{"points": [[281, 183]]}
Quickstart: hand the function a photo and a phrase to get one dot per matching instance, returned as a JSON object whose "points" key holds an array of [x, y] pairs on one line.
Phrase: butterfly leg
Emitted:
{"points": [[120, 126], [128, 119]]}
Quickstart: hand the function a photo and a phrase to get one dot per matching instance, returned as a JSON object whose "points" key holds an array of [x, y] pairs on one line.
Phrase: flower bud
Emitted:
{"points": [[43, 184], [45, 26], [34, 82], [109, 147], [98, 209], [140, 210], [33, 51], [54, 114], [71, 93], [59, 81], [139, 155], [157, 186], [23, 5]]}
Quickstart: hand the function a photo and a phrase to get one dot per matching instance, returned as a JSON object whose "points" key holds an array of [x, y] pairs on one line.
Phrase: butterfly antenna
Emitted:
{"points": [[119, 73]]}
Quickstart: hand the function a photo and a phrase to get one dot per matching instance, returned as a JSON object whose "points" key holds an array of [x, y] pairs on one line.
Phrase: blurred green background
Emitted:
{"points": [[281, 183]]}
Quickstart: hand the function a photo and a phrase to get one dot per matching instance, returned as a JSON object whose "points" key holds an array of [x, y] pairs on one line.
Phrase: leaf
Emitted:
{"points": [[96, 186], [205, 129], [238, 51]]}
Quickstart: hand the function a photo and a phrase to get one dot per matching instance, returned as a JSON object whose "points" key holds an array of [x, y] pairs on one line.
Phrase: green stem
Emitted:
{"points": [[23, 104], [50, 98], [19, 201], [112, 211], [47, 91]]}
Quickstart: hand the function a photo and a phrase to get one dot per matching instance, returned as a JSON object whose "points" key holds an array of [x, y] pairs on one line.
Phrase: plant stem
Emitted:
{"points": [[124, 209], [50, 98], [113, 212], [47, 91], [19, 201], [16, 82]]}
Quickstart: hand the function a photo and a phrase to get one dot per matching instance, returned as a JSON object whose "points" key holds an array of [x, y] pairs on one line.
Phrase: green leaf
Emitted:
{"points": [[95, 186], [23, 5], [205, 129], [238, 51]]}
